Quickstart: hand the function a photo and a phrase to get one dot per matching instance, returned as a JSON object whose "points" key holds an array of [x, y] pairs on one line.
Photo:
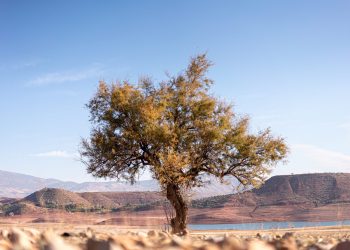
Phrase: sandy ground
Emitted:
{"points": [[71, 236], [144, 230], [123, 231]]}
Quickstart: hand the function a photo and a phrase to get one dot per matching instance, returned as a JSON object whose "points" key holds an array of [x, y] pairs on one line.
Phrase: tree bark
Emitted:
{"points": [[179, 222]]}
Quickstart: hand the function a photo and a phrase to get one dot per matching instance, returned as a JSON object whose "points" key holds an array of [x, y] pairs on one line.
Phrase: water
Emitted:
{"points": [[267, 225]]}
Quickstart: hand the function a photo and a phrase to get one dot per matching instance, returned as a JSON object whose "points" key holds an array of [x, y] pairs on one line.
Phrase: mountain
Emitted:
{"points": [[316, 189], [55, 198], [303, 197], [305, 189], [15, 185], [48, 199]]}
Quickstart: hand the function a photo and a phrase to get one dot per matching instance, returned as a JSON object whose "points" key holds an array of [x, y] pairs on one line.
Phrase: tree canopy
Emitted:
{"points": [[179, 132]]}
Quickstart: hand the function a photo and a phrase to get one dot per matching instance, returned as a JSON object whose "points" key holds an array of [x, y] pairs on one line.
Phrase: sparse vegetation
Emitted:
{"points": [[211, 202], [12, 208]]}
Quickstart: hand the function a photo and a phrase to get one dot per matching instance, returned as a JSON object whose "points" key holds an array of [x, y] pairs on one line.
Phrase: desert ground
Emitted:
{"points": [[52, 236], [123, 231]]}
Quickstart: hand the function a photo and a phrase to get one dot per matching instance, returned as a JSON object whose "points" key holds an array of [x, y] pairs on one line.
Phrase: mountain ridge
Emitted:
{"points": [[16, 185], [305, 197], [308, 189], [56, 199]]}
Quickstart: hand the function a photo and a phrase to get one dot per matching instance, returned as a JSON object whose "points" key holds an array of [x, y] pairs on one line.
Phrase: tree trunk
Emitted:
{"points": [[179, 222]]}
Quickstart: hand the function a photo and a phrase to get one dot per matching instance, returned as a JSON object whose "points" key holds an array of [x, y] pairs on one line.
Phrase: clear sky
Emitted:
{"points": [[284, 63]]}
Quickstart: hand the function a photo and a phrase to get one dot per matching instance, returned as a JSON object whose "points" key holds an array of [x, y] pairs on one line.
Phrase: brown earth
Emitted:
{"points": [[60, 198], [307, 197]]}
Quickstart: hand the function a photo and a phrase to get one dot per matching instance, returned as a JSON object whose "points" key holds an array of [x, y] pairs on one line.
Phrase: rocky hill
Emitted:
{"points": [[56, 198], [303, 189], [317, 189], [60, 199], [304, 197]]}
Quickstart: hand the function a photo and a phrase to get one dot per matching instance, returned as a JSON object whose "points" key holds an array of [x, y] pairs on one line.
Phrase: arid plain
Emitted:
{"points": [[69, 236]]}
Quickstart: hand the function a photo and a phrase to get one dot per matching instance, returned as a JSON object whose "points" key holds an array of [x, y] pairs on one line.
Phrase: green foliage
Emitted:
{"points": [[14, 208], [177, 130], [70, 207], [211, 202], [52, 205], [138, 207], [78, 208]]}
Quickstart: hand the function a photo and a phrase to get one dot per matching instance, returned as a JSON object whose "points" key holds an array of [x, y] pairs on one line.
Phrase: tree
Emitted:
{"points": [[179, 132]]}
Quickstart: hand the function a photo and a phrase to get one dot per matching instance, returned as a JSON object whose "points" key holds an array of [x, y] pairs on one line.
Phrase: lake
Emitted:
{"points": [[267, 225]]}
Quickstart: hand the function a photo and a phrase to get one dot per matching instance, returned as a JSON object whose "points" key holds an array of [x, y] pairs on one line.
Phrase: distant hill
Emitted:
{"points": [[5, 200], [317, 189], [56, 198], [304, 197], [314, 197], [59, 199], [303, 189], [121, 199], [14, 185]]}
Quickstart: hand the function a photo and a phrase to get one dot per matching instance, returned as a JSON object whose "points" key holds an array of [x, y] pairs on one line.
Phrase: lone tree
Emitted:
{"points": [[179, 132]]}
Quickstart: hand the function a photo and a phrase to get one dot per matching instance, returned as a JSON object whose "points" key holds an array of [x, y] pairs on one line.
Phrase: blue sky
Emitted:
{"points": [[284, 63]]}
